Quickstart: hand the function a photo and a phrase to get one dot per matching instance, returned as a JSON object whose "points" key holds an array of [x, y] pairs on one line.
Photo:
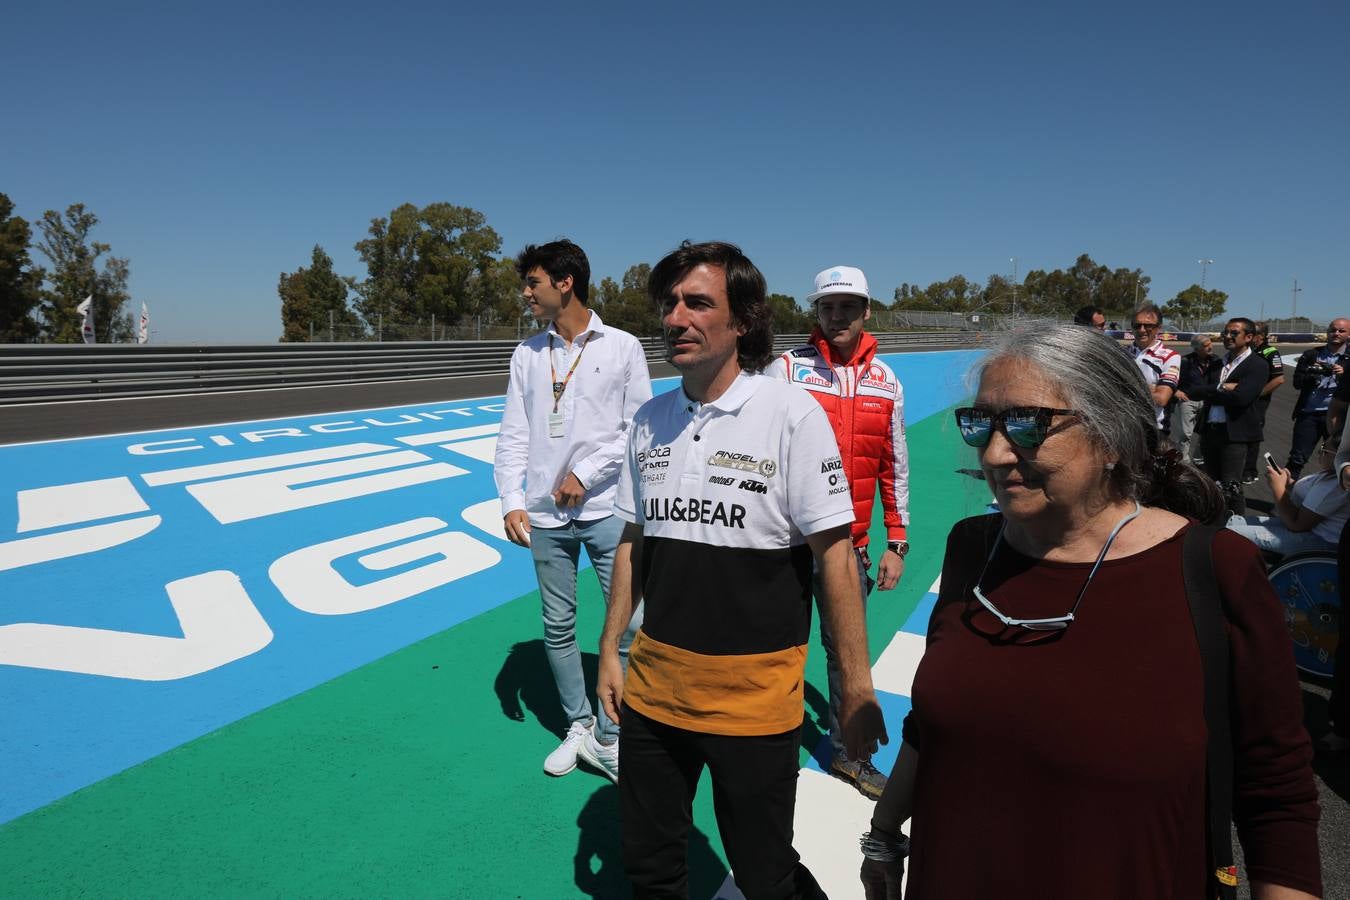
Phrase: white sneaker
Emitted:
{"points": [[602, 757], [564, 759]]}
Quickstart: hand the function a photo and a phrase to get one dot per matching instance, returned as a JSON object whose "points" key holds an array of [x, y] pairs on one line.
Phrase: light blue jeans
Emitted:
{"points": [[1273, 536], [555, 552]]}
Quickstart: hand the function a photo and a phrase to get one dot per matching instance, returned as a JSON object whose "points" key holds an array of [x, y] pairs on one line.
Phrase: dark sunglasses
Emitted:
{"points": [[1234, 332], [1144, 326], [1025, 426]]}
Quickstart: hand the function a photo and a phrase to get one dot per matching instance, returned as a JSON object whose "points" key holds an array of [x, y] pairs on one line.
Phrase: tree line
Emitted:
{"points": [[443, 263], [38, 303], [1060, 293]]}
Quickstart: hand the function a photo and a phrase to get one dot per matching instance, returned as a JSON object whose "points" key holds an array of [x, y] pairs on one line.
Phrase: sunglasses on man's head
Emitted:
{"points": [[1024, 426]]}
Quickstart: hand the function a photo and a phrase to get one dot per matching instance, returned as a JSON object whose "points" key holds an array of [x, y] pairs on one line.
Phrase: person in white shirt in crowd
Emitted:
{"points": [[573, 389], [1310, 513], [1160, 366]]}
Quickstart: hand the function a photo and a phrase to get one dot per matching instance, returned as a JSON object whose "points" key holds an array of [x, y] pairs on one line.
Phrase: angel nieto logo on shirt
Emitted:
{"points": [[743, 462], [811, 375]]}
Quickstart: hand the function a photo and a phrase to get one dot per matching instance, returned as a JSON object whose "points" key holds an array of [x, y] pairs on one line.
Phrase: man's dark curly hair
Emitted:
{"points": [[746, 293]]}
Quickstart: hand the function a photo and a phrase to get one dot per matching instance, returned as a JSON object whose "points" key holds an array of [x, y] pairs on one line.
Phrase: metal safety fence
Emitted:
{"points": [[46, 373]]}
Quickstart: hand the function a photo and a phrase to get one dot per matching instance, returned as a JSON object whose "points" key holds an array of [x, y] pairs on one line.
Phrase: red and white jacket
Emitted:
{"points": [[866, 406]]}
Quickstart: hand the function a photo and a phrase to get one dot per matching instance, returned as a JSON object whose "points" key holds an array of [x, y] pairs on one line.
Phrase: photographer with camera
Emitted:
{"points": [[1319, 372]]}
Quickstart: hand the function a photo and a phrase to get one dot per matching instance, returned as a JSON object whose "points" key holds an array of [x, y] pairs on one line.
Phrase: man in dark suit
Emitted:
{"points": [[1231, 417]]}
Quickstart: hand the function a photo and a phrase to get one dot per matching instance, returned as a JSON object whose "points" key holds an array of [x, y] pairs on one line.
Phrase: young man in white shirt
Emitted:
{"points": [[573, 389], [732, 486]]}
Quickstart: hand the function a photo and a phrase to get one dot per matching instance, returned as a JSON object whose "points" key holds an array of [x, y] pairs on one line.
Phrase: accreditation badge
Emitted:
{"points": [[557, 427]]}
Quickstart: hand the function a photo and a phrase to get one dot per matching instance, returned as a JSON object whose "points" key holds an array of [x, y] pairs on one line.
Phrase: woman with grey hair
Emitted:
{"points": [[1056, 747]]}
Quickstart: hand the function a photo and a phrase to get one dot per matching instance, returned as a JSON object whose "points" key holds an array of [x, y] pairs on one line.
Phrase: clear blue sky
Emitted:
{"points": [[218, 144]]}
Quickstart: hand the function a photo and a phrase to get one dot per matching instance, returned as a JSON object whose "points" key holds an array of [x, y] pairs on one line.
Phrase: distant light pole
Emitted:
{"points": [[1204, 269], [1013, 260], [1294, 311]]}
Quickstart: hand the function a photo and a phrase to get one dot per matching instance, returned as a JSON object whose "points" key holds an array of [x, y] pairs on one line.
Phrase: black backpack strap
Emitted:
{"points": [[1202, 593]]}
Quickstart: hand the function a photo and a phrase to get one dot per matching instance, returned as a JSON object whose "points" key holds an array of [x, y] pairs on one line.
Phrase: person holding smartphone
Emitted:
{"points": [[1309, 513]]}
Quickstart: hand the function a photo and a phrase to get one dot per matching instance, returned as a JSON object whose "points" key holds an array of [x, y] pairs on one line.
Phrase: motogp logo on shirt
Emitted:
{"points": [[743, 462]]}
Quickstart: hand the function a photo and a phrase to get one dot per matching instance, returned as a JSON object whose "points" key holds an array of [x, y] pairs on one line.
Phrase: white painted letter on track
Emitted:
{"points": [[307, 579], [220, 624]]}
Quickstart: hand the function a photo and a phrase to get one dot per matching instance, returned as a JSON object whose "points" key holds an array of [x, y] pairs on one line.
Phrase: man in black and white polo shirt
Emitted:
{"points": [[732, 487]]}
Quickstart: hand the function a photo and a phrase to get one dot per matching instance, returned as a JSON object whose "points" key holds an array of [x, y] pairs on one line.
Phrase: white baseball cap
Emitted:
{"points": [[840, 280]]}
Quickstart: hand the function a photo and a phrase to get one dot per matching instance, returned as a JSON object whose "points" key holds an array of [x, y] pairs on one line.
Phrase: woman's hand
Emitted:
{"points": [[1279, 479]]}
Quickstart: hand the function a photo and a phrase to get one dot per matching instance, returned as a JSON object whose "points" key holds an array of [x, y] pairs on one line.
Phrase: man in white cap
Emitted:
{"points": [[866, 407]]}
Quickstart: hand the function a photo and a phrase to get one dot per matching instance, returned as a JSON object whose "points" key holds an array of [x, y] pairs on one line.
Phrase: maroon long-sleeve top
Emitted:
{"points": [[1073, 766]]}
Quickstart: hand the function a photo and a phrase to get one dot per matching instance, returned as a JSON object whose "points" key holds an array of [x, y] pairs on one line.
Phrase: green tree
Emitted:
{"points": [[425, 262], [626, 305], [310, 294], [1063, 292], [496, 293], [20, 281], [788, 317], [1195, 306], [75, 274]]}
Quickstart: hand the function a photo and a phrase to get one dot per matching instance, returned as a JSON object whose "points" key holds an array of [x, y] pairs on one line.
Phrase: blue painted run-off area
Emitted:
{"points": [[158, 586]]}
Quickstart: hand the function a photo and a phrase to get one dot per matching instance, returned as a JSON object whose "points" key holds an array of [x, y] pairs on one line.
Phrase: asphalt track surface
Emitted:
{"points": [[54, 421]]}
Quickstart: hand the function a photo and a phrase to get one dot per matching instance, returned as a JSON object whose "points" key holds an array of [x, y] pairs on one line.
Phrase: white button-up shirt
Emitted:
{"points": [[610, 382], [1217, 413]]}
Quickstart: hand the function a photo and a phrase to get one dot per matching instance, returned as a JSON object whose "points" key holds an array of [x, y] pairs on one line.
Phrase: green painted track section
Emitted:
{"points": [[418, 775]]}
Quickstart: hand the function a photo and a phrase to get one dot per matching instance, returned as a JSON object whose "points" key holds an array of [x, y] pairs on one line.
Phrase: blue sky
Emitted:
{"points": [[219, 143]]}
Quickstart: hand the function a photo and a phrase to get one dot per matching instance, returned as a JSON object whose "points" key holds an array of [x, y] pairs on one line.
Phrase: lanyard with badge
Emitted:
{"points": [[556, 428]]}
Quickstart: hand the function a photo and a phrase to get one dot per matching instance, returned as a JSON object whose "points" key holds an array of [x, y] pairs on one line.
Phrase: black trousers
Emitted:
{"points": [[1254, 448], [754, 782], [1224, 460]]}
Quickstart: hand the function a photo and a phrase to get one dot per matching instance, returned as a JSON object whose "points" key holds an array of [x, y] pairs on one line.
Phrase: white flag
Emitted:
{"points": [[86, 309], [144, 334]]}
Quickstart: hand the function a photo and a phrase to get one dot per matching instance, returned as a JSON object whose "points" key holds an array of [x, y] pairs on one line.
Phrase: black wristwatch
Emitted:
{"points": [[900, 548]]}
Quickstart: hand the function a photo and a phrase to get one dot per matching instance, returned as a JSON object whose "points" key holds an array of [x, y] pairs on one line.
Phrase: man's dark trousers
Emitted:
{"points": [[754, 782], [1224, 460]]}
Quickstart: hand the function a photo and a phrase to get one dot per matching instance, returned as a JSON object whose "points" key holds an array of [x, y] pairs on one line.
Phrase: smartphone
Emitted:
{"points": [[1270, 460]]}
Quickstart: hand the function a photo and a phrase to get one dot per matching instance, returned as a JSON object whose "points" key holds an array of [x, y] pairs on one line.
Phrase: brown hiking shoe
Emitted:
{"points": [[860, 773]]}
